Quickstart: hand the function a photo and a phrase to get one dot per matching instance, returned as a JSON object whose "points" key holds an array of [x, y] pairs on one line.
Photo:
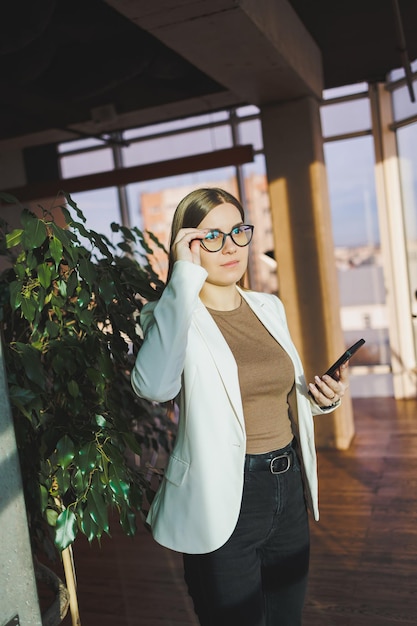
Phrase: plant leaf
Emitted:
{"points": [[52, 329], [156, 241], [119, 486], [81, 229], [86, 317], [28, 308], [14, 238], [97, 509], [74, 205], [95, 376], [87, 457], [31, 363], [63, 480], [101, 421], [87, 271], [34, 233], [65, 238], [43, 496], [24, 396], [62, 286], [79, 483], [51, 516], [45, 274], [72, 283], [107, 289], [65, 451], [73, 388], [15, 289], [83, 298], [89, 527], [128, 522], [99, 242], [66, 529], [126, 247], [128, 234], [56, 249]]}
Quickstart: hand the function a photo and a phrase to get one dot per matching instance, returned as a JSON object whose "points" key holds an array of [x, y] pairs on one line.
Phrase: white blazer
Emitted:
{"points": [[197, 505]]}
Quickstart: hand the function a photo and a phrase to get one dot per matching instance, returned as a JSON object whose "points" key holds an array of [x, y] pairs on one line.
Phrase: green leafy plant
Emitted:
{"points": [[70, 303]]}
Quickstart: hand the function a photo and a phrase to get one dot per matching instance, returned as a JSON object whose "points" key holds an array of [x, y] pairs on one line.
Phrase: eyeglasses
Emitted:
{"points": [[215, 239]]}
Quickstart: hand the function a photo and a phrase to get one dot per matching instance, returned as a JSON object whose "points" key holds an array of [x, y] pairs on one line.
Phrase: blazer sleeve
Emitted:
{"points": [[156, 374]]}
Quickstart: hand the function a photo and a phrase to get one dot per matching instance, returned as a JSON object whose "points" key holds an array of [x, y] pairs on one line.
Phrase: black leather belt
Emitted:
{"points": [[277, 462]]}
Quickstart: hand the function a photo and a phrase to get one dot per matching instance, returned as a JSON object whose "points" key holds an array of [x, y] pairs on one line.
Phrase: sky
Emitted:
{"points": [[351, 182]]}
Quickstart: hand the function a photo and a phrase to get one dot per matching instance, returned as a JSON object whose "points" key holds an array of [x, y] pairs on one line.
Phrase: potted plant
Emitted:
{"points": [[70, 304]]}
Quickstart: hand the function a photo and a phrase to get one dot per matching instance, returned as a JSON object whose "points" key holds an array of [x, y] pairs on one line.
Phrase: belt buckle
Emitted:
{"points": [[282, 456]]}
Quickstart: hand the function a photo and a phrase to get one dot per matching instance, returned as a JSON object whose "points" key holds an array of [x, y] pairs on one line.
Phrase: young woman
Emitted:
{"points": [[242, 474]]}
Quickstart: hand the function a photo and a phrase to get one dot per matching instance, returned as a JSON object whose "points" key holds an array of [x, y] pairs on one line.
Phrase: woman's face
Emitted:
{"points": [[227, 266]]}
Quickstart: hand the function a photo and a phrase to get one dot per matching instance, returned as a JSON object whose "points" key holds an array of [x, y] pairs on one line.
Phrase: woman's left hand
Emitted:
{"points": [[327, 391]]}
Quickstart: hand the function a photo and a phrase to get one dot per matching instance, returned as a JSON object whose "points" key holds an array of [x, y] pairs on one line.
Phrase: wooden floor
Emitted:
{"points": [[364, 549]]}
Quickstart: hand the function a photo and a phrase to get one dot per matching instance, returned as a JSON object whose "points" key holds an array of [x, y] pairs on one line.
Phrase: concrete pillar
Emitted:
{"points": [[304, 247], [18, 594]]}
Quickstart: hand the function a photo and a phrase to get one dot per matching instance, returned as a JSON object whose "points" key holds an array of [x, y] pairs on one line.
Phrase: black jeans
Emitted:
{"points": [[259, 576]]}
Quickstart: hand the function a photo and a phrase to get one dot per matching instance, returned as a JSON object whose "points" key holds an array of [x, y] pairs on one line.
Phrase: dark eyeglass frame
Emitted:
{"points": [[249, 227]]}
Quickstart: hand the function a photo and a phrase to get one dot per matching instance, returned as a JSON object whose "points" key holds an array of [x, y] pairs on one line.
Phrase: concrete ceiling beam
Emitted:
{"points": [[257, 49]]}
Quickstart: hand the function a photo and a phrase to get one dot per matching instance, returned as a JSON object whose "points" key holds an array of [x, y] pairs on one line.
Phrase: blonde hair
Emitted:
{"points": [[192, 210]]}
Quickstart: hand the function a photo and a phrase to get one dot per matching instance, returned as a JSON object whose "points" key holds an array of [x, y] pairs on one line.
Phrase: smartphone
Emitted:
{"points": [[345, 357]]}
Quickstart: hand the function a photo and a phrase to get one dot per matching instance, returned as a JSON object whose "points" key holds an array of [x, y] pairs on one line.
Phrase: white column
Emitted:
{"points": [[392, 230]]}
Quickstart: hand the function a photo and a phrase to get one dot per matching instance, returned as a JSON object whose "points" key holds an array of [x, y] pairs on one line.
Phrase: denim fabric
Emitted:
{"points": [[259, 576]]}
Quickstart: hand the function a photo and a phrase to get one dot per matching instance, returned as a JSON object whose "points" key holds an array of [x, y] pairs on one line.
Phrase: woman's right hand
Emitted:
{"points": [[186, 245]]}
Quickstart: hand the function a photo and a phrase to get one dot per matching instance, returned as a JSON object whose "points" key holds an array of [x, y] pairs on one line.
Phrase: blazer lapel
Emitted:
{"points": [[222, 356]]}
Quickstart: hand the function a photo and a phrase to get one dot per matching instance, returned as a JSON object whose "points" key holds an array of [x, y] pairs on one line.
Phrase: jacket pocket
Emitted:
{"points": [[176, 470]]}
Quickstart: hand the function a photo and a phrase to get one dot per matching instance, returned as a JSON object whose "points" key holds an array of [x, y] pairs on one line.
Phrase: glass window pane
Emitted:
{"points": [[407, 142], [166, 127], [350, 170], [399, 73], [86, 163], [346, 90], [263, 267], [100, 208], [345, 117], [250, 132], [247, 110], [80, 144], [176, 146], [402, 105]]}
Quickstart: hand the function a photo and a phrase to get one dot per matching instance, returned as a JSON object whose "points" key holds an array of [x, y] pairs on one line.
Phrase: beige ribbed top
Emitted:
{"points": [[266, 377]]}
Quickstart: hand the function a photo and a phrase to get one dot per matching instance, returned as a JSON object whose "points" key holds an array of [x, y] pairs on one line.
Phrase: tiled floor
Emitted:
{"points": [[364, 549]]}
